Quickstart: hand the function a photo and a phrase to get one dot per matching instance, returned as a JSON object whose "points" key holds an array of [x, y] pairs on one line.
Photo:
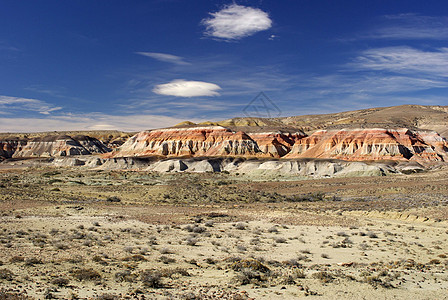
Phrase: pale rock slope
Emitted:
{"points": [[51, 146]]}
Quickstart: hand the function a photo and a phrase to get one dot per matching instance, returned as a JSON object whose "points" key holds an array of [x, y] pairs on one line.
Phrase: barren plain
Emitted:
{"points": [[71, 233]]}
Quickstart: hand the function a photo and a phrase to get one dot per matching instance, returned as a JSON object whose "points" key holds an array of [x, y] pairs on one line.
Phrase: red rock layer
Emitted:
{"points": [[205, 141], [372, 144], [352, 145]]}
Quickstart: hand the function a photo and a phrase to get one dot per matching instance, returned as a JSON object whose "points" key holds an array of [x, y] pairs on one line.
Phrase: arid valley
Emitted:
{"points": [[245, 225]]}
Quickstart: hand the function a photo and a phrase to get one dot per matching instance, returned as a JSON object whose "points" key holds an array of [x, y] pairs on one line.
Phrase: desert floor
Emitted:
{"points": [[72, 233]]}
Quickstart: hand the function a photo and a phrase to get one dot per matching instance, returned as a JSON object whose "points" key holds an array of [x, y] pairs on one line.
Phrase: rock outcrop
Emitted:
{"points": [[205, 142], [347, 144], [372, 144], [51, 146]]}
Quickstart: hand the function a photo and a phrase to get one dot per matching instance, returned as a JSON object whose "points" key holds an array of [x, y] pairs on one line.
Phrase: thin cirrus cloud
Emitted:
{"points": [[410, 26], [405, 60], [235, 22], [184, 88], [169, 58], [90, 121], [10, 104]]}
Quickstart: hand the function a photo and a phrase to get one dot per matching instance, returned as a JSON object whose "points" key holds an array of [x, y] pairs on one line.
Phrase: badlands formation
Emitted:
{"points": [[367, 142], [247, 208]]}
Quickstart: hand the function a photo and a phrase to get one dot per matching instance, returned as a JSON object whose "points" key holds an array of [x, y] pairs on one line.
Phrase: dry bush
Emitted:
{"points": [[323, 276], [86, 274], [251, 264], [6, 274], [135, 257], [150, 278], [16, 259], [60, 281]]}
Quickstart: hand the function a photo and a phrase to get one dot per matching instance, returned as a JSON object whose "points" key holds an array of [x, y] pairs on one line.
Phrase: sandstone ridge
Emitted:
{"points": [[358, 144]]}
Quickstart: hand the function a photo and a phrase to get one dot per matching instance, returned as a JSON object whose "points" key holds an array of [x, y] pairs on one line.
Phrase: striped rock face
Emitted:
{"points": [[51, 146], [206, 141], [372, 144], [351, 145]]}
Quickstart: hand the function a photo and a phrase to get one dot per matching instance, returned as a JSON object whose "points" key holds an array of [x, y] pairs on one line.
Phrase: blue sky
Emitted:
{"points": [[133, 65]]}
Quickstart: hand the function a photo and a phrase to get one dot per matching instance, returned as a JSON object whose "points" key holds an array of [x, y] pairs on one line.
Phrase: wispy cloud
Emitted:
{"points": [[409, 27], [7, 47], [184, 88], [235, 22], [165, 57], [92, 121], [17, 104], [405, 60]]}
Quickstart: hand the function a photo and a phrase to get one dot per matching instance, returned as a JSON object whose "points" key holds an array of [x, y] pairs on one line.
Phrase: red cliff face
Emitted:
{"points": [[206, 141], [352, 145], [372, 144]]}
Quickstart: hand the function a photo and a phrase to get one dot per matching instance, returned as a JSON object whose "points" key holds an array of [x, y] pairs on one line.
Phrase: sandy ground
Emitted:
{"points": [[67, 234]]}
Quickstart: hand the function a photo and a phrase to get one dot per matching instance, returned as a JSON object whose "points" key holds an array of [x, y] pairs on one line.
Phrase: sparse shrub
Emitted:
{"points": [[76, 259], [16, 259], [99, 259], [199, 229], [251, 264], [209, 223], [86, 274], [247, 275], [299, 273], [113, 199], [326, 256], [323, 276], [434, 262], [166, 260], [210, 261], [372, 235], [273, 230], [342, 234], [151, 279], [192, 241], [125, 275], [166, 251], [135, 257], [189, 227], [32, 261], [172, 272], [240, 226], [128, 249], [280, 240], [107, 297], [241, 248], [60, 281], [61, 246], [6, 274]]}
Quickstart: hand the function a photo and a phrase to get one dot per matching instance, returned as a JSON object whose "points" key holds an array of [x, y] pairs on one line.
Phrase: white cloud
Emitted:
{"points": [[25, 104], [235, 22], [183, 88], [93, 121], [411, 26], [165, 57], [405, 60]]}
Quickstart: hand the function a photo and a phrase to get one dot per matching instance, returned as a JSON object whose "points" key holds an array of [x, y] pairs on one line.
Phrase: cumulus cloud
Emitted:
{"points": [[184, 88], [25, 104], [177, 60], [234, 22]]}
